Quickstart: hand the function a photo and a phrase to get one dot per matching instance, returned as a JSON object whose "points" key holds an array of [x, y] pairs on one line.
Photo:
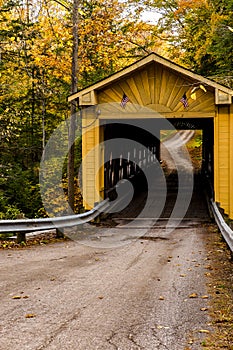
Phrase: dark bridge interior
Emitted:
{"points": [[142, 149]]}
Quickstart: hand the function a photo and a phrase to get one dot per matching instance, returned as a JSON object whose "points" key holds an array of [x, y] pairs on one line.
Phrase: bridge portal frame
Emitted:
{"points": [[158, 85]]}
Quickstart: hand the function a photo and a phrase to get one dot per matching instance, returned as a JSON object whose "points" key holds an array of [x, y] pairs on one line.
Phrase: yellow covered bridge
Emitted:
{"points": [[151, 90]]}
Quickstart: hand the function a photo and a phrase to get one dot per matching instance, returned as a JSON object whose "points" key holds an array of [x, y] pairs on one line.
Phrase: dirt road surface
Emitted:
{"points": [[148, 294], [69, 296]]}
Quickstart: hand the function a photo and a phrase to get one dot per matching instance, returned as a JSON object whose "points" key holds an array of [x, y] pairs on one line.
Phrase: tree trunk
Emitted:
{"points": [[73, 108]]}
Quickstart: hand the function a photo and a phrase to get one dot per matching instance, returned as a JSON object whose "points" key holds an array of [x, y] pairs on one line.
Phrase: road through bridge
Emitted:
{"points": [[136, 284]]}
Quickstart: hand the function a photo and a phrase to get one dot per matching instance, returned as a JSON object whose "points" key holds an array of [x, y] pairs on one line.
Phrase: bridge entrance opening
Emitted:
{"points": [[150, 141]]}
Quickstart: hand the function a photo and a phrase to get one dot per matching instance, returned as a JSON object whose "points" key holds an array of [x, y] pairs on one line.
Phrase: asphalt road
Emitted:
{"points": [[70, 296]]}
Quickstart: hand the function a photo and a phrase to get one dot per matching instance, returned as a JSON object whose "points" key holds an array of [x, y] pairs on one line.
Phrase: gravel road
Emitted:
{"points": [[70, 296]]}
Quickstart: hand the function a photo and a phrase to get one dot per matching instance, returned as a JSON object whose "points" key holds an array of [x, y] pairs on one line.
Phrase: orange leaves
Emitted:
{"points": [[184, 5]]}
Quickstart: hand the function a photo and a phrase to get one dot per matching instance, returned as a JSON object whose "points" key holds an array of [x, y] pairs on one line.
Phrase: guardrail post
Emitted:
{"points": [[59, 232], [21, 237]]}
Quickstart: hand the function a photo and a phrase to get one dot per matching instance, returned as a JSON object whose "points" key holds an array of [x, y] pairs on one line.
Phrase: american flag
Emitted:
{"points": [[184, 100], [124, 100]]}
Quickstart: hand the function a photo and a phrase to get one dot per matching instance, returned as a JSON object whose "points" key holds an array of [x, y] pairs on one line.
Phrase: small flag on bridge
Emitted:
{"points": [[124, 100], [184, 100]]}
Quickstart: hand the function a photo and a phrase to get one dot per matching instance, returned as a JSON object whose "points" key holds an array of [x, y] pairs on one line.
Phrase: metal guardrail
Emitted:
{"points": [[225, 230], [28, 225]]}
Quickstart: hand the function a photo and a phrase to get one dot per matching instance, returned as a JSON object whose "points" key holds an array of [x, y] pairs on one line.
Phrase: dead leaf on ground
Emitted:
{"points": [[204, 308], [30, 315], [193, 295], [17, 297], [162, 327], [203, 331]]}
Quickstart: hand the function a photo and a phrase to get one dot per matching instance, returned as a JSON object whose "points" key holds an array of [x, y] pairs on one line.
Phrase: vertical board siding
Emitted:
{"points": [[231, 162], [151, 82], [90, 140], [156, 85], [223, 158]]}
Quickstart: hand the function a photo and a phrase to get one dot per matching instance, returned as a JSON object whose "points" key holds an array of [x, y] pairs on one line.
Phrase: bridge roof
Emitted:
{"points": [[153, 57]]}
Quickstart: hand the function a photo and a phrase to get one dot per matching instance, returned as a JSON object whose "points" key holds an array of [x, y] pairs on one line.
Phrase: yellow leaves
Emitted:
{"points": [[30, 315], [184, 5], [20, 296], [205, 297], [81, 12], [17, 297], [193, 295], [204, 331]]}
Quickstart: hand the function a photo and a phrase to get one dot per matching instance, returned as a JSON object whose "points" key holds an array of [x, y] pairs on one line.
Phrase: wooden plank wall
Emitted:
{"points": [[92, 173], [159, 88], [223, 152]]}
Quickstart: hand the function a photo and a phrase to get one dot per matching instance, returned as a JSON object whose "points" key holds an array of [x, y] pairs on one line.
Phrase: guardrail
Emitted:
{"points": [[28, 225], [225, 230]]}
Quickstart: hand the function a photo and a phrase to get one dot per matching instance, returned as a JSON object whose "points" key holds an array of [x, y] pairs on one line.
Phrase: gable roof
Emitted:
{"points": [[153, 57]]}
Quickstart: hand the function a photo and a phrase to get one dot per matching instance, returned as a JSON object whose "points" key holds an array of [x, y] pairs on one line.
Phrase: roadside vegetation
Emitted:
{"points": [[35, 69], [220, 277]]}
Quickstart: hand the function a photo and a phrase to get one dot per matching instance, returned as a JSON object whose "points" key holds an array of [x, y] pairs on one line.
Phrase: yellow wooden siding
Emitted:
{"points": [[231, 162], [158, 88], [222, 158], [91, 161]]}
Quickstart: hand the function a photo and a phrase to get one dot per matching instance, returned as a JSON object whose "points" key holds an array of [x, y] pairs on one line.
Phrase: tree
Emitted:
{"points": [[198, 35], [35, 69]]}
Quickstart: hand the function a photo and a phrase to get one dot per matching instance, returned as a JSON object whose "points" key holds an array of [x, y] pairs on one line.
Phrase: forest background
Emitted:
{"points": [[35, 69]]}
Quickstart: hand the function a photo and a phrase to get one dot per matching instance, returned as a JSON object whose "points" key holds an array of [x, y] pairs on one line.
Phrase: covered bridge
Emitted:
{"points": [[151, 89]]}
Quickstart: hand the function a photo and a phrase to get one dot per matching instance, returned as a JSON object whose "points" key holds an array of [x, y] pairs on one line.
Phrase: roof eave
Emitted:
{"points": [[144, 61]]}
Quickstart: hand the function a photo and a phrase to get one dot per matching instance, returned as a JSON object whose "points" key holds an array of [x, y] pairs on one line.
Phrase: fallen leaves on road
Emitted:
{"points": [[203, 331], [193, 295], [162, 327], [30, 315], [205, 297]]}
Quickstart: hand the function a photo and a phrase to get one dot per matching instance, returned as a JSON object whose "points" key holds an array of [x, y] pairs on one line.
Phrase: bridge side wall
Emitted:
{"points": [[92, 159], [223, 158]]}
